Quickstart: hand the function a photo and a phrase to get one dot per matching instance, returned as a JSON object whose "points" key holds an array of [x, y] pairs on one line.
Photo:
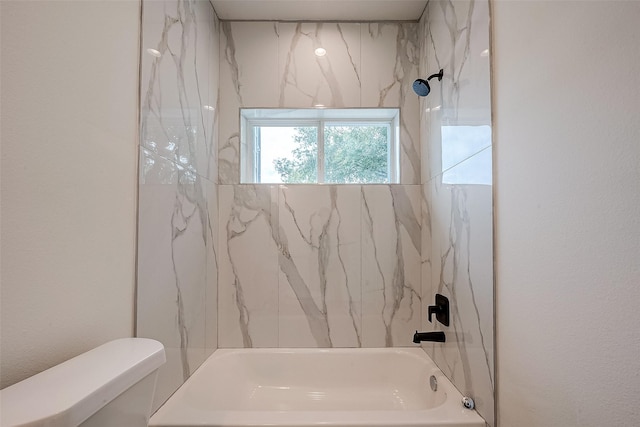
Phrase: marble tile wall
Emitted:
{"points": [[223, 264], [319, 266], [457, 257], [272, 64], [177, 218]]}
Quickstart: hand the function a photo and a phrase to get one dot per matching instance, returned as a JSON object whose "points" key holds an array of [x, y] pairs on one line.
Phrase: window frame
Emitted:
{"points": [[250, 150]]}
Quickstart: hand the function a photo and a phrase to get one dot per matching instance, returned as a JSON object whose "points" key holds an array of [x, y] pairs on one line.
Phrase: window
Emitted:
{"points": [[338, 146]]}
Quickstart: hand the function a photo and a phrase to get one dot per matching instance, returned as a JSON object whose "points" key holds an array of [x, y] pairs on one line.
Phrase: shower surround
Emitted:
{"points": [[224, 264]]}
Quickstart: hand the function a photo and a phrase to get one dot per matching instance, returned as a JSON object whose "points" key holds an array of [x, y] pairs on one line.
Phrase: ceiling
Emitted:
{"points": [[319, 10]]}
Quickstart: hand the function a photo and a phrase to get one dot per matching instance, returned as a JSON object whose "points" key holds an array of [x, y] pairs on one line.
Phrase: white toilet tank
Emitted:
{"points": [[109, 386]]}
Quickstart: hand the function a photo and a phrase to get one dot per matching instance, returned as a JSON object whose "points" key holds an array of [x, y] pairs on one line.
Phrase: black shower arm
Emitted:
{"points": [[438, 75]]}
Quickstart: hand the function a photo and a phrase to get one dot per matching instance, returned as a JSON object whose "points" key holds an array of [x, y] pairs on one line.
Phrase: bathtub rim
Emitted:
{"points": [[173, 412]]}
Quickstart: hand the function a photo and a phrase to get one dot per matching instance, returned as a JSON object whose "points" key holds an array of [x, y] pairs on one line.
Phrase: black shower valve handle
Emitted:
{"points": [[434, 309], [440, 309]]}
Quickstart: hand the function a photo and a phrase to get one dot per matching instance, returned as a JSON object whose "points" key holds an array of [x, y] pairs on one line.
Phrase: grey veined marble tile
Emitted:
{"points": [[176, 286], [319, 285], [319, 266], [248, 266], [456, 134], [177, 106], [390, 60], [462, 270], [306, 79], [391, 241], [248, 78], [175, 239]]}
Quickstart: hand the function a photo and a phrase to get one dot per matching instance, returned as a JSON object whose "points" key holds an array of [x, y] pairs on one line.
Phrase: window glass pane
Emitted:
{"points": [[356, 154], [350, 145], [287, 154]]}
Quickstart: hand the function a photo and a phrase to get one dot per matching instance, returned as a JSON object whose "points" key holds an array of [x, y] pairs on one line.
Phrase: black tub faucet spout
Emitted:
{"points": [[429, 336]]}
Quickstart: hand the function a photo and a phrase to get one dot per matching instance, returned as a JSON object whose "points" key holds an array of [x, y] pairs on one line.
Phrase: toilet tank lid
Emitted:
{"points": [[69, 393]]}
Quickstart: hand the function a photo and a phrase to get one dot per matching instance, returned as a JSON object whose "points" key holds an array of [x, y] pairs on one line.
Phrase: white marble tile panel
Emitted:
{"points": [[305, 79], [382, 63], [248, 266], [391, 242], [172, 264], [409, 156], [455, 37], [424, 102], [456, 40], [249, 66], [211, 290], [156, 286], [390, 59], [229, 140], [175, 82], [319, 286], [462, 271], [211, 191], [203, 80], [248, 78], [426, 256], [211, 105], [430, 144], [212, 125], [177, 272]]}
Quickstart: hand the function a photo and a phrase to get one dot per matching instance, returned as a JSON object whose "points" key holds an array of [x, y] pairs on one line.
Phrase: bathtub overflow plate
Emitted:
{"points": [[433, 382]]}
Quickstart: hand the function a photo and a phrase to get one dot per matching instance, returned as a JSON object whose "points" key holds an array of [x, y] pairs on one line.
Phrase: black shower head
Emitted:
{"points": [[421, 87]]}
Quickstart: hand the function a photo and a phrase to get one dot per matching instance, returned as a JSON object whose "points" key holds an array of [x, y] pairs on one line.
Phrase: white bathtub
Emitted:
{"points": [[313, 387]]}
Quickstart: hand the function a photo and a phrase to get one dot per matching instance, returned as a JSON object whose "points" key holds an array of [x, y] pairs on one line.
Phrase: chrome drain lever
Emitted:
{"points": [[468, 402]]}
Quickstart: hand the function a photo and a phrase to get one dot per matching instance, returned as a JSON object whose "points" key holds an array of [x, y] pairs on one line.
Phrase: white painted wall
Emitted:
{"points": [[567, 140], [69, 108]]}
